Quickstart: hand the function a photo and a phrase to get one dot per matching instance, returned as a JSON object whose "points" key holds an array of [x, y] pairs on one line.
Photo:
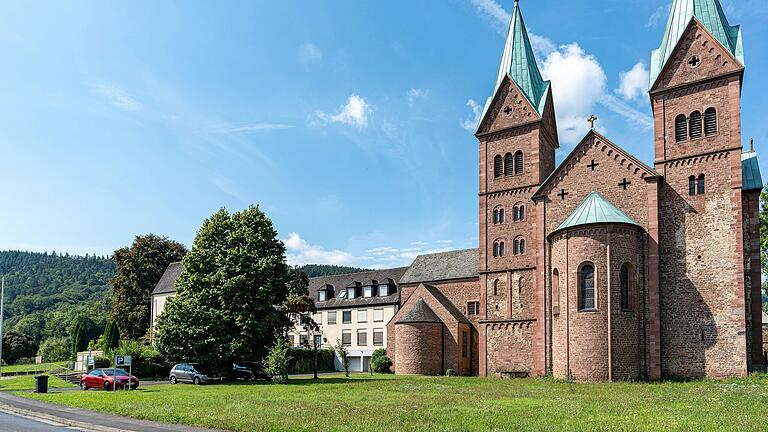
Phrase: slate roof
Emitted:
{"points": [[710, 14], [750, 172], [167, 283], [461, 264], [419, 313], [595, 210], [340, 282]]}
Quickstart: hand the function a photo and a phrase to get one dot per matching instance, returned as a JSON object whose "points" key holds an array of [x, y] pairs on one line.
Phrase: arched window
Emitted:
{"points": [[587, 287], [624, 282], [555, 292], [701, 185], [516, 249], [498, 166], [522, 212], [692, 185], [501, 215], [522, 246], [681, 128], [710, 122], [516, 214], [508, 161], [501, 248], [496, 287], [695, 125], [495, 248], [495, 216], [518, 162]]}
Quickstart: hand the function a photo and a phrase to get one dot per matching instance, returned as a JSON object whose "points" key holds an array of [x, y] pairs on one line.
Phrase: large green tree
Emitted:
{"points": [[764, 241], [139, 268], [16, 346], [230, 294]]}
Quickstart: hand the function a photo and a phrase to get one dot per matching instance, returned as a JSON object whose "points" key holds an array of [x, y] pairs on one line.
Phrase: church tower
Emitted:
{"points": [[696, 84], [518, 138]]}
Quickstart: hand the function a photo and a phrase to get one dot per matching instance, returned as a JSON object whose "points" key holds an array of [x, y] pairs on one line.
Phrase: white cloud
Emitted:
{"points": [[658, 15], [310, 53], [634, 82], [117, 97], [415, 94], [299, 252], [632, 115], [355, 113], [256, 127], [470, 125]]}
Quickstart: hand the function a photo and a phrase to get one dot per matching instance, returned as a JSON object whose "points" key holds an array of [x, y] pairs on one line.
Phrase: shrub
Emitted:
{"points": [[381, 364], [55, 349], [343, 353], [303, 360], [450, 373], [146, 362], [278, 361], [102, 362], [381, 352], [16, 346]]}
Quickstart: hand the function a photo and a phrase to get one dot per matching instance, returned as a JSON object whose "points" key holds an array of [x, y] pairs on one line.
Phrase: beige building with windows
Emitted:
{"points": [[354, 309], [165, 289]]}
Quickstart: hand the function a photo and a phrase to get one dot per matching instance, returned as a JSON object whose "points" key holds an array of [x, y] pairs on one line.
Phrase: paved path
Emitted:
{"points": [[77, 419], [14, 423]]}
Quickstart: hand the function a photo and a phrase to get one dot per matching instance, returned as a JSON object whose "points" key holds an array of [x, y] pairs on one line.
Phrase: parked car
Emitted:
{"points": [[194, 373], [249, 371], [108, 379]]}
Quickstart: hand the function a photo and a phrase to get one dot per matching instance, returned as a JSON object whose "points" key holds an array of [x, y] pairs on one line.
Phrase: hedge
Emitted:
{"points": [[303, 360]]}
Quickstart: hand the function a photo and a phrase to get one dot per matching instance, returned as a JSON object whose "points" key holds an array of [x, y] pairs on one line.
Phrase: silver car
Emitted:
{"points": [[192, 373]]}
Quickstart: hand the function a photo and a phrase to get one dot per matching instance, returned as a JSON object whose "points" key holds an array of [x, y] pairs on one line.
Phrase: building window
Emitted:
{"points": [[700, 189], [378, 337], [346, 338], [378, 315], [292, 339], [346, 317], [498, 248], [368, 291], [465, 344], [695, 125], [501, 215], [519, 213], [518, 162], [322, 295], [519, 246], [304, 340], [331, 317], [383, 290], [351, 293], [498, 215], [710, 122], [587, 287], [626, 285], [362, 338], [681, 128], [692, 185], [498, 166], [496, 287], [508, 164], [555, 292], [362, 315], [318, 341], [473, 308]]}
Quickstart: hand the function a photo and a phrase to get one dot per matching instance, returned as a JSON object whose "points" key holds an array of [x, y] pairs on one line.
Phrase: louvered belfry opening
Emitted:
{"points": [[518, 162], [710, 122], [695, 125], [681, 128], [508, 164], [498, 166]]}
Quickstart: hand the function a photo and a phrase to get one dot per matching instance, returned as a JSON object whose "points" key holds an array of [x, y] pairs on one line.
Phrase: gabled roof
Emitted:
{"points": [[519, 63], [167, 283], [595, 210], [648, 171], [341, 282], [419, 313], [750, 172], [710, 14], [462, 264]]}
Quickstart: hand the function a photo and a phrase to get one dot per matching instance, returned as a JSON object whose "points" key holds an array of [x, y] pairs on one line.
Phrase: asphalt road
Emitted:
{"points": [[12, 423]]}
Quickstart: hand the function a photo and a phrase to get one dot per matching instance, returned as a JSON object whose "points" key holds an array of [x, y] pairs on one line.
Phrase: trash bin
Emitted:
{"points": [[41, 384]]}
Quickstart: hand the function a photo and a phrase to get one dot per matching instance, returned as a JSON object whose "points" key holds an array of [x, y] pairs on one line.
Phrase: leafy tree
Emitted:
{"points": [[764, 242], [139, 268], [343, 353], [31, 325], [380, 363], [278, 360], [228, 296], [315, 270], [55, 349], [300, 307], [16, 346], [111, 336], [79, 338]]}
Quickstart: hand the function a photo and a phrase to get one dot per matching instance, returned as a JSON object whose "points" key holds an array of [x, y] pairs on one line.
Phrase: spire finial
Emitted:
{"points": [[751, 145], [592, 119]]}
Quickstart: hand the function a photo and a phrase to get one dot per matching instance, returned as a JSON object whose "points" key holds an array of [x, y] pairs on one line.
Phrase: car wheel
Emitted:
{"points": [[173, 380], [83, 385], [252, 377], [107, 387], [197, 381]]}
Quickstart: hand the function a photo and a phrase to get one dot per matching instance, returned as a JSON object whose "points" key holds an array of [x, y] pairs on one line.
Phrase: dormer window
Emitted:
{"points": [[383, 290], [351, 293], [322, 296], [367, 291]]}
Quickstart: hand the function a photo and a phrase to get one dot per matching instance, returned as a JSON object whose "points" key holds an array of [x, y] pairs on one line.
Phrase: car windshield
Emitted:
{"points": [[115, 372]]}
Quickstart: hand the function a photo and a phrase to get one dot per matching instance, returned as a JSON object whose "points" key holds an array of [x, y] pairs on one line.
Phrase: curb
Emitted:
{"points": [[56, 421]]}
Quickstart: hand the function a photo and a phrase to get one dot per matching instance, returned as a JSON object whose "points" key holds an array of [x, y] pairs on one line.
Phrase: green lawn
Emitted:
{"points": [[382, 403], [43, 367], [27, 382]]}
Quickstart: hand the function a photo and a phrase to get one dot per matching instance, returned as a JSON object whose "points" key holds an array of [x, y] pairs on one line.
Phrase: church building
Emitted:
{"points": [[603, 268]]}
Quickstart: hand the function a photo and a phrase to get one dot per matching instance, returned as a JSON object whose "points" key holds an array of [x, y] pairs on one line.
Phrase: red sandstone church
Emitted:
{"points": [[603, 268]]}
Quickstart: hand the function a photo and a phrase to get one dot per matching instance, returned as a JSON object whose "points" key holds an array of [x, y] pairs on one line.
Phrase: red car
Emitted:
{"points": [[108, 379]]}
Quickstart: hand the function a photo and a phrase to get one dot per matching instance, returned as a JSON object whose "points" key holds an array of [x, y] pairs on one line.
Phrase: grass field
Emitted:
{"points": [[43, 367], [364, 403], [27, 382]]}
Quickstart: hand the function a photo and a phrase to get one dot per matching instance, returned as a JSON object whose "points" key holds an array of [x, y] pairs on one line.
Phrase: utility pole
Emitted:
{"points": [[2, 299]]}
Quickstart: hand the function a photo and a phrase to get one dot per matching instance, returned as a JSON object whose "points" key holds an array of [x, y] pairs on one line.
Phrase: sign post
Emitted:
{"points": [[123, 361], [2, 299]]}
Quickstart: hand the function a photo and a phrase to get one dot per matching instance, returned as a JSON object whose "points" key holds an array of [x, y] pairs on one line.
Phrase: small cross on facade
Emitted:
{"points": [[625, 183], [508, 110], [562, 194], [592, 119], [593, 165]]}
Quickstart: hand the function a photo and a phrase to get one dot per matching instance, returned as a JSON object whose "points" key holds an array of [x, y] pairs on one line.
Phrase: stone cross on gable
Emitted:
{"points": [[592, 119]]}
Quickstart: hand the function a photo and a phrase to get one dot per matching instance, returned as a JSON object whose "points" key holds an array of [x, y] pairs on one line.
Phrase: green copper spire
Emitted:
{"points": [[519, 62], [710, 14]]}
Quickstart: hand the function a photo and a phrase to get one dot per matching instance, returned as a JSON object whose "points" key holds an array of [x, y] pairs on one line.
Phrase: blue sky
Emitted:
{"points": [[346, 121]]}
